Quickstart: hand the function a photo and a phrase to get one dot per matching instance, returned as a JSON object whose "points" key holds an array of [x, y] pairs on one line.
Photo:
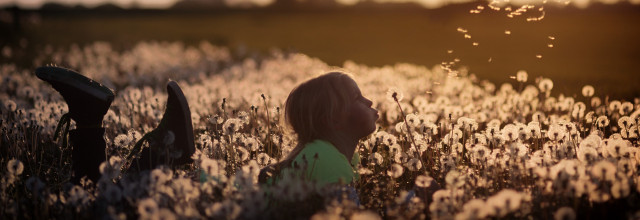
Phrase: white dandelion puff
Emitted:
{"points": [[564, 213], [394, 95], [15, 167], [147, 208], [423, 181], [602, 121], [521, 76], [395, 170], [588, 91], [545, 85]]}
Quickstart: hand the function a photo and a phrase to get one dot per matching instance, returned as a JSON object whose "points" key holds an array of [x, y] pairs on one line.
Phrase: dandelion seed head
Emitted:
{"points": [[521, 76], [15, 167], [232, 126], [395, 170], [113, 193], [455, 178], [394, 95], [243, 154], [376, 158], [264, 159], [564, 213], [604, 170], [602, 121], [10, 105], [423, 181], [365, 215], [147, 208]]}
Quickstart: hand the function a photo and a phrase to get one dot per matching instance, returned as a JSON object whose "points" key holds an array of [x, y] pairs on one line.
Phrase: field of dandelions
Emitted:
{"points": [[496, 151]]}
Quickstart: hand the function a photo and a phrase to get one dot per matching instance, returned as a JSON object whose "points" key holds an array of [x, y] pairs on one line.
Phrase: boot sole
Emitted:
{"points": [[184, 106], [74, 79]]}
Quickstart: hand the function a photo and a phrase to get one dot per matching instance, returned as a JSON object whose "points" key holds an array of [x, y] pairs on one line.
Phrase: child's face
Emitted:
{"points": [[361, 118]]}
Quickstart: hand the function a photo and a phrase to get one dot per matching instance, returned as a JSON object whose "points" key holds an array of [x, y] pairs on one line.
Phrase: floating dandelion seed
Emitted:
{"points": [[537, 18], [493, 7]]}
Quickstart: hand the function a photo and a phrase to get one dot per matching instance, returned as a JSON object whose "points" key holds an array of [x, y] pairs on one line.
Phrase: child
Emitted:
{"points": [[330, 116], [89, 101]]}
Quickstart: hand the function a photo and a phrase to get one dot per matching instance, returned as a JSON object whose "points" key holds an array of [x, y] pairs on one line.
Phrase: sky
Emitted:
{"points": [[159, 4]]}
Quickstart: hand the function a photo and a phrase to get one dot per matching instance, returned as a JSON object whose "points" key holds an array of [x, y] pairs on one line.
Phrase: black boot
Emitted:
{"points": [[172, 142], [88, 102]]}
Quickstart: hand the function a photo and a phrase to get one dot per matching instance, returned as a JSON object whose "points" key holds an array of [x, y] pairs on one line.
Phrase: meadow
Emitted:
{"points": [[498, 151], [481, 116]]}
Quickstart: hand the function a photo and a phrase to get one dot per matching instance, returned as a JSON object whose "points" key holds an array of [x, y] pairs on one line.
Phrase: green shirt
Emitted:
{"points": [[330, 166]]}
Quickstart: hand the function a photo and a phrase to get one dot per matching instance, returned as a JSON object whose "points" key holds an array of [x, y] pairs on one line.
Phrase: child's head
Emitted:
{"points": [[330, 103]]}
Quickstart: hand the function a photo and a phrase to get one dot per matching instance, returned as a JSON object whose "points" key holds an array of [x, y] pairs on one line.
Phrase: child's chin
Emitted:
{"points": [[372, 129]]}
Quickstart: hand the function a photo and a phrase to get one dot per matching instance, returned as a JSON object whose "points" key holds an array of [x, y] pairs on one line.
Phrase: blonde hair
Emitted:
{"points": [[313, 106]]}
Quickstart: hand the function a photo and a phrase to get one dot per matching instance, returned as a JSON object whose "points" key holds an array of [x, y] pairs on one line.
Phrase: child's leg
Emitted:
{"points": [[172, 142], [88, 153], [88, 102]]}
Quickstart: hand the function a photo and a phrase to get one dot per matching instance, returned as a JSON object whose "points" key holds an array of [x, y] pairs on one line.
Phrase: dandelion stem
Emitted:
{"points": [[266, 106], [404, 118]]}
